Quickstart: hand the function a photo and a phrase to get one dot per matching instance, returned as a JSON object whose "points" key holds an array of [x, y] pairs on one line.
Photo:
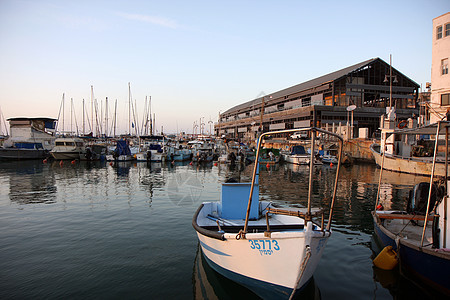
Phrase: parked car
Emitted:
{"points": [[299, 135]]}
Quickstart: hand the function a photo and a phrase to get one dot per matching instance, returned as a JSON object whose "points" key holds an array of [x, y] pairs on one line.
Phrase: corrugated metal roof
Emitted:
{"points": [[306, 85]]}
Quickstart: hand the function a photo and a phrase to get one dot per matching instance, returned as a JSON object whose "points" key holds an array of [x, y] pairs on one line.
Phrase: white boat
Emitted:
{"points": [[420, 234], [68, 148], [299, 156], [31, 138], [407, 164], [401, 151], [152, 148], [272, 251]]}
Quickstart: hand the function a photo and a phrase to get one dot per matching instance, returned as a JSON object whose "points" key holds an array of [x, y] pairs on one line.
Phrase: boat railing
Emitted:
{"points": [[308, 215]]}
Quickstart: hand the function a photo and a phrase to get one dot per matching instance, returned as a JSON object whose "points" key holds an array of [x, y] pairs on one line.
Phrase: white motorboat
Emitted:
{"points": [[68, 148]]}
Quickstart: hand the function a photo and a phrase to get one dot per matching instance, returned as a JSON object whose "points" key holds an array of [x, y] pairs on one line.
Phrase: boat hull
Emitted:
{"points": [[66, 155], [110, 157], [266, 265], [18, 154], [143, 156], [422, 265], [297, 159], [410, 165]]}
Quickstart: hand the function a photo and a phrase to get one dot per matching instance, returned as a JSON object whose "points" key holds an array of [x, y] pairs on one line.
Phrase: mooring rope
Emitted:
{"points": [[303, 267]]}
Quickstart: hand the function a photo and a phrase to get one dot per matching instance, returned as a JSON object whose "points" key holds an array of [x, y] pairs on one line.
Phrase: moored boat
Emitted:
{"points": [[151, 148], [269, 156], [31, 138], [271, 250], [400, 149], [68, 148], [122, 152], [299, 156], [420, 234]]}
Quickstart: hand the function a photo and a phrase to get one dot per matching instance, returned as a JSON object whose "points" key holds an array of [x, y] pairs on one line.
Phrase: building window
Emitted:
{"points": [[447, 29], [444, 66], [445, 99], [439, 32]]}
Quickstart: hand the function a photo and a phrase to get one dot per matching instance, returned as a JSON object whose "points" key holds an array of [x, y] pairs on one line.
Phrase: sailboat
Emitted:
{"points": [[272, 251]]}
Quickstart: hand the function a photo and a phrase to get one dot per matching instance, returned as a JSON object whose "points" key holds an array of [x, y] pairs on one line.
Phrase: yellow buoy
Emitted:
{"points": [[386, 259]]}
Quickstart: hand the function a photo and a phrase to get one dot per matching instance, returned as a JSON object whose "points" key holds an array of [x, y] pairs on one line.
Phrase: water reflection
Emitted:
{"points": [[29, 182], [208, 284]]}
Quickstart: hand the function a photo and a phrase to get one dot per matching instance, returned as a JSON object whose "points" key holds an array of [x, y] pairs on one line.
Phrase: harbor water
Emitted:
{"points": [[94, 230]]}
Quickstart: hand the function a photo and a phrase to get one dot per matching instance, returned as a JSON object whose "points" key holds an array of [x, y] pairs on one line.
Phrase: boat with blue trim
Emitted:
{"points": [[271, 250], [420, 234]]}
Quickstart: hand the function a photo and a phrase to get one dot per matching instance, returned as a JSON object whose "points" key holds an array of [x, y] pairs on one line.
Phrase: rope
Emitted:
{"points": [[303, 267]]}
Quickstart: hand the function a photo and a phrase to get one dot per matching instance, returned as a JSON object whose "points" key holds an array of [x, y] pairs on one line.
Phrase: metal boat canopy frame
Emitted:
{"points": [[308, 214]]}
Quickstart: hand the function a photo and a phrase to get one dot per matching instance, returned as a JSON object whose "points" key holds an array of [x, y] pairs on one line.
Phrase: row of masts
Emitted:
{"points": [[100, 124]]}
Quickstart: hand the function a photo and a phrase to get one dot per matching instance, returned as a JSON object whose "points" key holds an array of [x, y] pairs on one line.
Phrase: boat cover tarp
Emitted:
{"points": [[122, 148], [155, 147], [298, 150], [28, 145]]}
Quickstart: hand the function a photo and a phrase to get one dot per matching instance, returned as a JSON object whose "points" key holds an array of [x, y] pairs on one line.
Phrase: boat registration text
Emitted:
{"points": [[264, 247]]}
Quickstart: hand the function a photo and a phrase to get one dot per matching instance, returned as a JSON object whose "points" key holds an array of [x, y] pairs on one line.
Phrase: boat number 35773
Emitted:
{"points": [[265, 247]]}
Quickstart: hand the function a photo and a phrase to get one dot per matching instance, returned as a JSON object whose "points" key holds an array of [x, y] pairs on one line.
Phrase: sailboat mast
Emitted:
{"points": [[106, 117], [115, 111], [63, 114], [84, 132], [71, 115], [151, 118], [129, 109], [92, 108]]}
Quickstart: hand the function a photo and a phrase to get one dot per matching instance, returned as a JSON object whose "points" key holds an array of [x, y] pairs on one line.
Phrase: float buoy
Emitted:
{"points": [[387, 259], [331, 164], [110, 163], [73, 162], [402, 124], [44, 161], [61, 162], [380, 207], [190, 163], [215, 164], [267, 166]]}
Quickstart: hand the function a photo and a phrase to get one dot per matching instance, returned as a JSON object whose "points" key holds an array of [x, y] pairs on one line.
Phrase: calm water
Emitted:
{"points": [[101, 231]]}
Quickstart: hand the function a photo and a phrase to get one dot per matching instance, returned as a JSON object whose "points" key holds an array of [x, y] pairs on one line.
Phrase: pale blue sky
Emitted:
{"points": [[195, 58]]}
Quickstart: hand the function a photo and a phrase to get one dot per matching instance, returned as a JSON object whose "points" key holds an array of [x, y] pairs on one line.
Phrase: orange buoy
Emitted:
{"points": [[61, 162], [380, 207], [190, 163], [267, 166], [73, 162], [44, 161], [215, 164], [331, 165]]}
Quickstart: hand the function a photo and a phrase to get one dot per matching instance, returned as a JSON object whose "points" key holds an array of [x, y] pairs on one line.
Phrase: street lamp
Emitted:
{"points": [[390, 85], [350, 108]]}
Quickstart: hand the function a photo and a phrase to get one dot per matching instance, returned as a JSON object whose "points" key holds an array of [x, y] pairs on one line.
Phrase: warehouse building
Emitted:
{"points": [[343, 101]]}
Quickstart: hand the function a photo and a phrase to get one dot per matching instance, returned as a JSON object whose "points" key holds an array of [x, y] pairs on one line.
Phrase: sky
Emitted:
{"points": [[194, 58]]}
